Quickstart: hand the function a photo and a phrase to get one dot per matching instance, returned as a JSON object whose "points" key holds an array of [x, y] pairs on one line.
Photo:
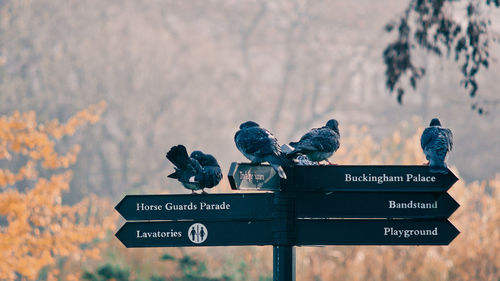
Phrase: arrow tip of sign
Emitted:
{"points": [[454, 177], [451, 178], [455, 233], [230, 175], [456, 205], [118, 234], [118, 206]]}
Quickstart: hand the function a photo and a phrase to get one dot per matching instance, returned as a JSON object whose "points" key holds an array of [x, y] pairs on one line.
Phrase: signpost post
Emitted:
{"points": [[316, 205]]}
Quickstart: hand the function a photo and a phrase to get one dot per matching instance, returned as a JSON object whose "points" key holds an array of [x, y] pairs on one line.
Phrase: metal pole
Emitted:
{"points": [[284, 237], [283, 263]]}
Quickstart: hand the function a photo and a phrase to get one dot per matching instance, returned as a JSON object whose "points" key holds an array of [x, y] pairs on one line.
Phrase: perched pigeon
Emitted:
{"points": [[212, 173], [259, 145], [436, 142], [319, 143], [197, 172]]}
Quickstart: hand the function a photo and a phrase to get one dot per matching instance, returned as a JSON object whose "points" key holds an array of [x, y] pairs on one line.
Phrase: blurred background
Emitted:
{"points": [[159, 73]]}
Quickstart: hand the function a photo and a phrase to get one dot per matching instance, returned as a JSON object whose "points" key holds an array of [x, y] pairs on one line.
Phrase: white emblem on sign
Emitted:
{"points": [[197, 233]]}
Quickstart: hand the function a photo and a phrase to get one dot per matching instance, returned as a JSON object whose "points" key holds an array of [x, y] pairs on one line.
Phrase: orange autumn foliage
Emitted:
{"points": [[40, 229]]}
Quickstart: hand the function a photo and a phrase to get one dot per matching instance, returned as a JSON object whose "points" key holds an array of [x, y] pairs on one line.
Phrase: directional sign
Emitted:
{"points": [[375, 232], [199, 233], [315, 205], [374, 178], [308, 232], [253, 176], [374, 205], [251, 206], [259, 206], [343, 178]]}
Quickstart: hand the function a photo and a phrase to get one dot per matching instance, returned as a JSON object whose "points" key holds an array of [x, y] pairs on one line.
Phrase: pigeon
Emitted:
{"points": [[212, 173], [436, 141], [319, 143], [259, 145], [195, 172]]}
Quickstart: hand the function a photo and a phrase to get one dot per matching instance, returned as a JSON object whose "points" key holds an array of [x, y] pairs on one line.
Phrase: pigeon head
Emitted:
{"points": [[248, 124], [197, 154], [333, 124], [435, 122], [204, 159]]}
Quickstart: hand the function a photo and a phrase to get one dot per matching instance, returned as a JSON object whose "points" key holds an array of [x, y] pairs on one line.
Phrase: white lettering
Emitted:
{"points": [[419, 178], [181, 207], [210, 207], [347, 177], [248, 176], [407, 233], [379, 179], [392, 204], [158, 234], [412, 205], [386, 230], [146, 207]]}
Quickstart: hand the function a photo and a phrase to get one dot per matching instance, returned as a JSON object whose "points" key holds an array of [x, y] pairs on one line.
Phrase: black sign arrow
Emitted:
{"points": [[397, 178], [259, 206], [375, 232], [308, 232], [374, 205], [199, 233], [253, 176], [251, 206], [374, 178]]}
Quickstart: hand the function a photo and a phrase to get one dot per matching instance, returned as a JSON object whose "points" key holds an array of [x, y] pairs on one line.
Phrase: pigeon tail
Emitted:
{"points": [[277, 161], [175, 175], [179, 157], [279, 170], [280, 159]]}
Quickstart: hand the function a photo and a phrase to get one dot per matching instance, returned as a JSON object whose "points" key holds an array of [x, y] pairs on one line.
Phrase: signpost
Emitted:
{"points": [[342, 178], [259, 206], [308, 232], [403, 205], [375, 232], [201, 206], [316, 205], [252, 176], [195, 233]]}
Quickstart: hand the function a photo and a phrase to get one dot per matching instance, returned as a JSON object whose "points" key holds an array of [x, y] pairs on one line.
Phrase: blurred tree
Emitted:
{"points": [[191, 71], [429, 25], [37, 230], [108, 272], [190, 270]]}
